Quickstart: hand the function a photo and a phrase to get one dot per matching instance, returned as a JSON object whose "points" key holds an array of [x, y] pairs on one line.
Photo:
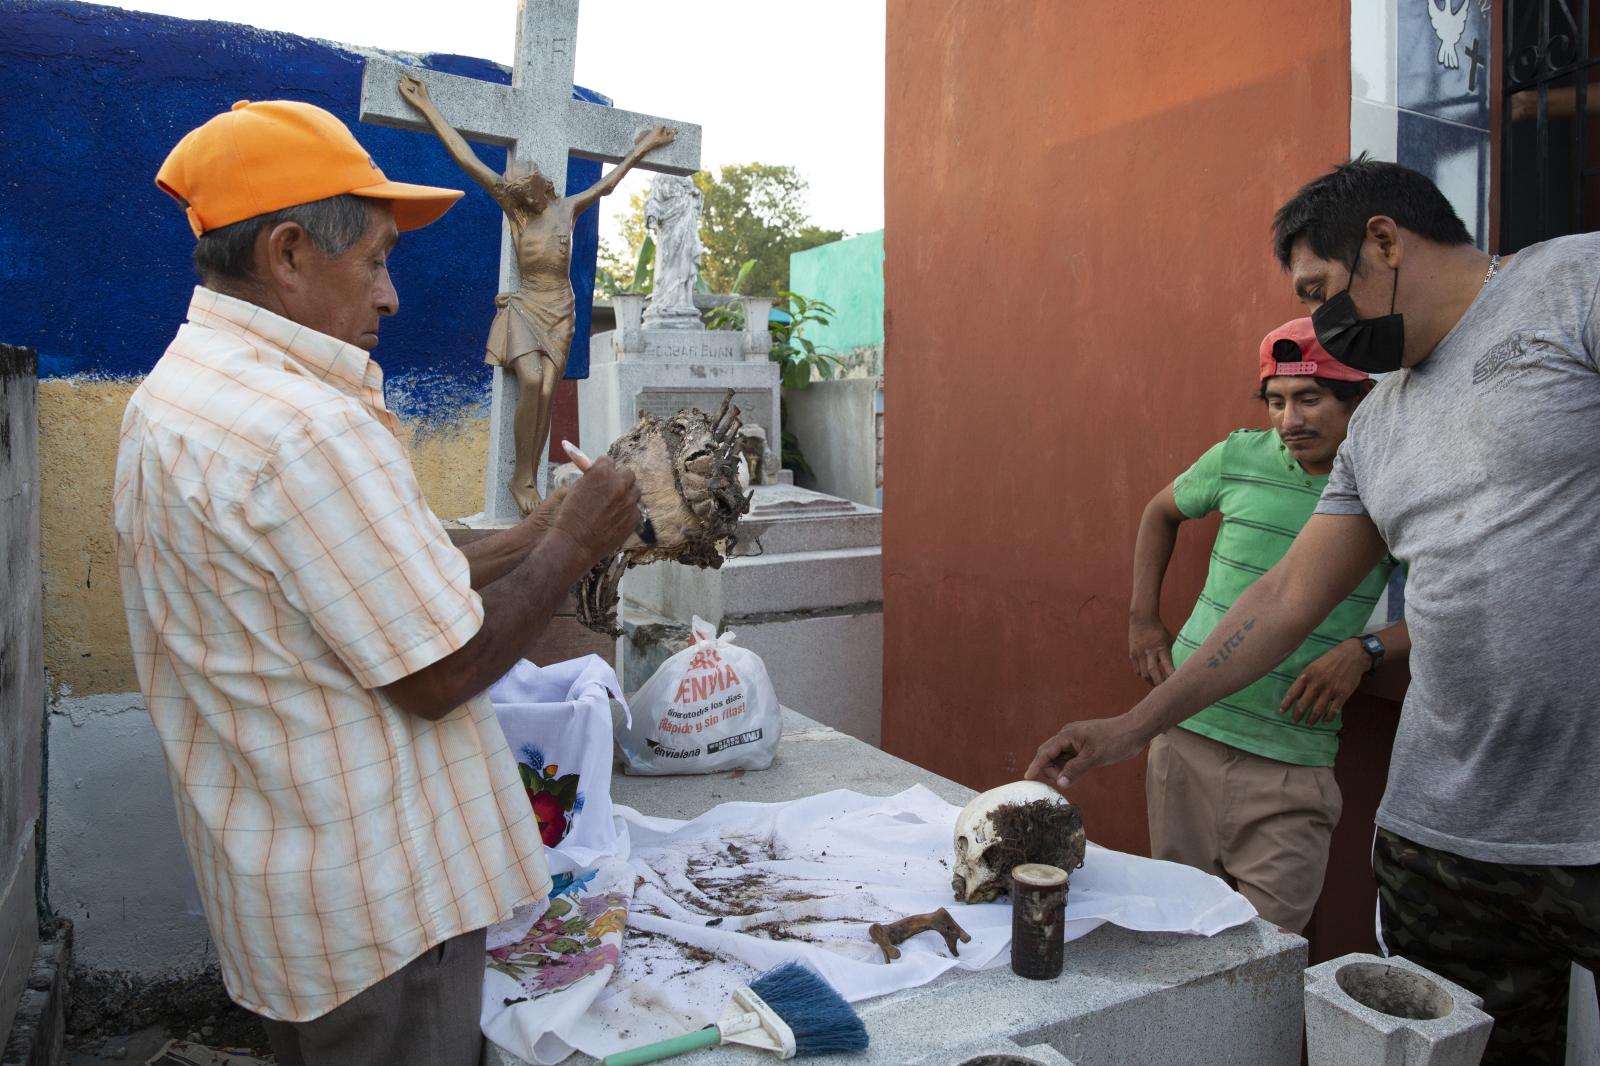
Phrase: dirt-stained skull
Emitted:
{"points": [[1021, 822], [687, 468]]}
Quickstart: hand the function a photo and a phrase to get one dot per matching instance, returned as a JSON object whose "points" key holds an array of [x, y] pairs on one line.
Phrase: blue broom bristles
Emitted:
{"points": [[823, 1023]]}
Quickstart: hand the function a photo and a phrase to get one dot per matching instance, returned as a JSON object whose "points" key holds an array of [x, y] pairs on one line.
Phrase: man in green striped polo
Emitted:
{"points": [[1245, 789]]}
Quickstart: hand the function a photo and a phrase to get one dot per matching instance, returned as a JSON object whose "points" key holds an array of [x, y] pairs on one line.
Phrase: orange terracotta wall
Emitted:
{"points": [[1077, 274]]}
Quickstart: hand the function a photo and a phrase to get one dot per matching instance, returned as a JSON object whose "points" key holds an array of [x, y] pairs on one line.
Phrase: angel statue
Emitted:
{"points": [[672, 214], [532, 331]]}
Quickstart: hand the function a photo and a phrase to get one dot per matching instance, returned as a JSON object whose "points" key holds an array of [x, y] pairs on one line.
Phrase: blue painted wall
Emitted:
{"points": [[95, 260]]}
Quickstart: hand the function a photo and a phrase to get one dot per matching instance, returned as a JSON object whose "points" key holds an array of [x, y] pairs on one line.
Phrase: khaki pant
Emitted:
{"points": [[1260, 824], [424, 1014]]}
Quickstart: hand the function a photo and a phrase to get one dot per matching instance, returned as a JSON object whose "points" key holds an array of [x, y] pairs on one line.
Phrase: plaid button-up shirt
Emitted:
{"points": [[279, 565]]}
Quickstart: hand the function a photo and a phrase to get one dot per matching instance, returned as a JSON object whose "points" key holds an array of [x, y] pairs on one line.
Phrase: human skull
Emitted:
{"points": [[1021, 822]]}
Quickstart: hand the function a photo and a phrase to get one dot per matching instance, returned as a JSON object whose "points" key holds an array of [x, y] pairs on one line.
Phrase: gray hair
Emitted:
{"points": [[333, 224]]}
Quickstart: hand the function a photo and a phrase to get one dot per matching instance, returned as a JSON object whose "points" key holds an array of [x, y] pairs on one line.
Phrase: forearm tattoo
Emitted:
{"points": [[1230, 646]]}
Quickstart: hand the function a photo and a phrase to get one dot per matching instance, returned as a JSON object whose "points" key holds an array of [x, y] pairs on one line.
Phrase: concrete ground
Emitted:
{"points": [[118, 1049], [126, 1049]]}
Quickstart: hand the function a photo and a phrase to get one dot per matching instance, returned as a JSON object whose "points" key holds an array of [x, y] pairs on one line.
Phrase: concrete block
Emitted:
{"points": [[761, 588], [21, 668], [1363, 1010], [648, 640], [828, 667], [19, 931], [785, 519], [995, 1053], [37, 1035], [836, 423], [860, 529], [797, 551]]}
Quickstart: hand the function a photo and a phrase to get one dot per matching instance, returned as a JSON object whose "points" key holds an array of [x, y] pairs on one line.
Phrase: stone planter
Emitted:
{"points": [[1363, 1010]]}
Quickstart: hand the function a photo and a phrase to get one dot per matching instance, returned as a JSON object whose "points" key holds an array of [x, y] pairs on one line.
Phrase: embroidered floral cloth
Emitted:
{"points": [[537, 991], [557, 722]]}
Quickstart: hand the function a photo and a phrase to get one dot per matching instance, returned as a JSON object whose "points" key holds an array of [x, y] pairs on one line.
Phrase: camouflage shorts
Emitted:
{"points": [[1508, 933]]}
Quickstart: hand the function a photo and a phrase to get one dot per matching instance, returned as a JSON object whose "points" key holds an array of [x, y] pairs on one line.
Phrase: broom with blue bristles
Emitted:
{"points": [[789, 1011]]}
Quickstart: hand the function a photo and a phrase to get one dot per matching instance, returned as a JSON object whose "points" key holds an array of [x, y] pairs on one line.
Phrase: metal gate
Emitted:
{"points": [[1550, 136]]}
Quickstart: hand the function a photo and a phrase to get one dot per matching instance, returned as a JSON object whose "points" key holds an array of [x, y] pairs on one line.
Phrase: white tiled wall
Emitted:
{"points": [[1374, 114]]}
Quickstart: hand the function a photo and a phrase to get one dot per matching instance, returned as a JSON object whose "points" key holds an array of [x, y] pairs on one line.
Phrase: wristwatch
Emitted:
{"points": [[1373, 647]]}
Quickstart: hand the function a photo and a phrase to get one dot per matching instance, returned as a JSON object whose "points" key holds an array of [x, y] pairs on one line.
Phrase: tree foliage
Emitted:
{"points": [[752, 212]]}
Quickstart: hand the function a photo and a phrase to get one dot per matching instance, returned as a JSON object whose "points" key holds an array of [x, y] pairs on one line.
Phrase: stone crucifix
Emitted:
{"points": [[539, 123]]}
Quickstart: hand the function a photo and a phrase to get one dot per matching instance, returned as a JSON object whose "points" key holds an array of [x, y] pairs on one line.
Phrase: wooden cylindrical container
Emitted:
{"points": [[1038, 920]]}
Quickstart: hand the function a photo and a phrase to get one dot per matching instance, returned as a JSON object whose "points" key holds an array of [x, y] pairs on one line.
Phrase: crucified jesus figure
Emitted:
{"points": [[532, 330]]}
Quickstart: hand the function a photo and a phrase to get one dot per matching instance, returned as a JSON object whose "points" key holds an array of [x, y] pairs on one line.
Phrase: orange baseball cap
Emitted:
{"points": [[272, 154], [1292, 350]]}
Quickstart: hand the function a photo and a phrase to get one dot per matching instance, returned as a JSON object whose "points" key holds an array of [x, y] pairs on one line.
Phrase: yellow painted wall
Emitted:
{"points": [[85, 636]]}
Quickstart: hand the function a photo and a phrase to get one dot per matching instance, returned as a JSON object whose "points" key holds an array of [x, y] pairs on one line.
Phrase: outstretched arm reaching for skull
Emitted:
{"points": [[1267, 622]]}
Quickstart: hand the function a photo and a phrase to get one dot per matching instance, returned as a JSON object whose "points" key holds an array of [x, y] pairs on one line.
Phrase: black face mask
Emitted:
{"points": [[1371, 345]]}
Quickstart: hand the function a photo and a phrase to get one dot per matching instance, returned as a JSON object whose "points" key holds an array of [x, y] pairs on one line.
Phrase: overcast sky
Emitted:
{"points": [[767, 80]]}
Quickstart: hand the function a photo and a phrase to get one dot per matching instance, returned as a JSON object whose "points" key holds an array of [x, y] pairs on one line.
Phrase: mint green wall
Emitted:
{"points": [[849, 275]]}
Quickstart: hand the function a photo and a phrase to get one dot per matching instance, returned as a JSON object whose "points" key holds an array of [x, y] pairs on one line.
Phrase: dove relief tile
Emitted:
{"points": [[1443, 59]]}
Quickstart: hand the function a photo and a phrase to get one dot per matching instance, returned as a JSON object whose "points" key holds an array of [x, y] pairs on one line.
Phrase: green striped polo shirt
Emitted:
{"points": [[1265, 499]]}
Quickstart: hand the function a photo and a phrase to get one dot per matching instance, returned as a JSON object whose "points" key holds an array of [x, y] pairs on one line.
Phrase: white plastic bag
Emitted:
{"points": [[709, 708]]}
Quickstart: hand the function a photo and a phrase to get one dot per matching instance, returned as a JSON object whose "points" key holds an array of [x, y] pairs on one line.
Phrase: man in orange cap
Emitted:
{"points": [[312, 649], [1245, 788]]}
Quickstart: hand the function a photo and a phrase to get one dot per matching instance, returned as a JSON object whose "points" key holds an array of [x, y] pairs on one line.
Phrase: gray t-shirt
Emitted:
{"points": [[1481, 469]]}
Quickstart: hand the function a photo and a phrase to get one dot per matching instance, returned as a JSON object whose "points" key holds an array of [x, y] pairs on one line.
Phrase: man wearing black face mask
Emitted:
{"points": [[1475, 463]]}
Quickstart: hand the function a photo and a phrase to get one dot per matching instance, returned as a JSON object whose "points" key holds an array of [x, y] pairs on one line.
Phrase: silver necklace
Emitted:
{"points": [[1494, 268]]}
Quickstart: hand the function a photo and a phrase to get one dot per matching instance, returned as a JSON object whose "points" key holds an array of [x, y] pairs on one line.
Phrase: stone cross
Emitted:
{"points": [[537, 120]]}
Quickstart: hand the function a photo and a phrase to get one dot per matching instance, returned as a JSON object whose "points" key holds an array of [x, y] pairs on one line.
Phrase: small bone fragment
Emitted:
{"points": [[939, 921]]}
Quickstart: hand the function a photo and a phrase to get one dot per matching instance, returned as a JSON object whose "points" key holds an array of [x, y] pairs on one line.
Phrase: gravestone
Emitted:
{"points": [[635, 368], [538, 122]]}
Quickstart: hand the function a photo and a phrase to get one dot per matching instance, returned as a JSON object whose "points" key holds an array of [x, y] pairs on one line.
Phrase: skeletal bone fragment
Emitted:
{"points": [[687, 468], [1022, 822], [887, 937]]}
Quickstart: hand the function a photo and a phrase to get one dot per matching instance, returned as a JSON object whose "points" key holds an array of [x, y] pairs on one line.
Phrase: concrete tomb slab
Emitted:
{"points": [[1124, 997]]}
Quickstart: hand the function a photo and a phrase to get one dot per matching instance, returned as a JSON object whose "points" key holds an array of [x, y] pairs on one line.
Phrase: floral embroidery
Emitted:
{"points": [[609, 922], [566, 944], [571, 884], [570, 969], [555, 799]]}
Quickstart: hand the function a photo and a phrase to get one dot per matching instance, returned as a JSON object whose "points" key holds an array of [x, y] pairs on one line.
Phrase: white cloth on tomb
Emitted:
{"points": [[802, 880], [557, 723]]}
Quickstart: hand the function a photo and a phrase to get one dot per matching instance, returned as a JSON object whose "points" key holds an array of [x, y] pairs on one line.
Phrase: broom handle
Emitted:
{"points": [[710, 1036]]}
